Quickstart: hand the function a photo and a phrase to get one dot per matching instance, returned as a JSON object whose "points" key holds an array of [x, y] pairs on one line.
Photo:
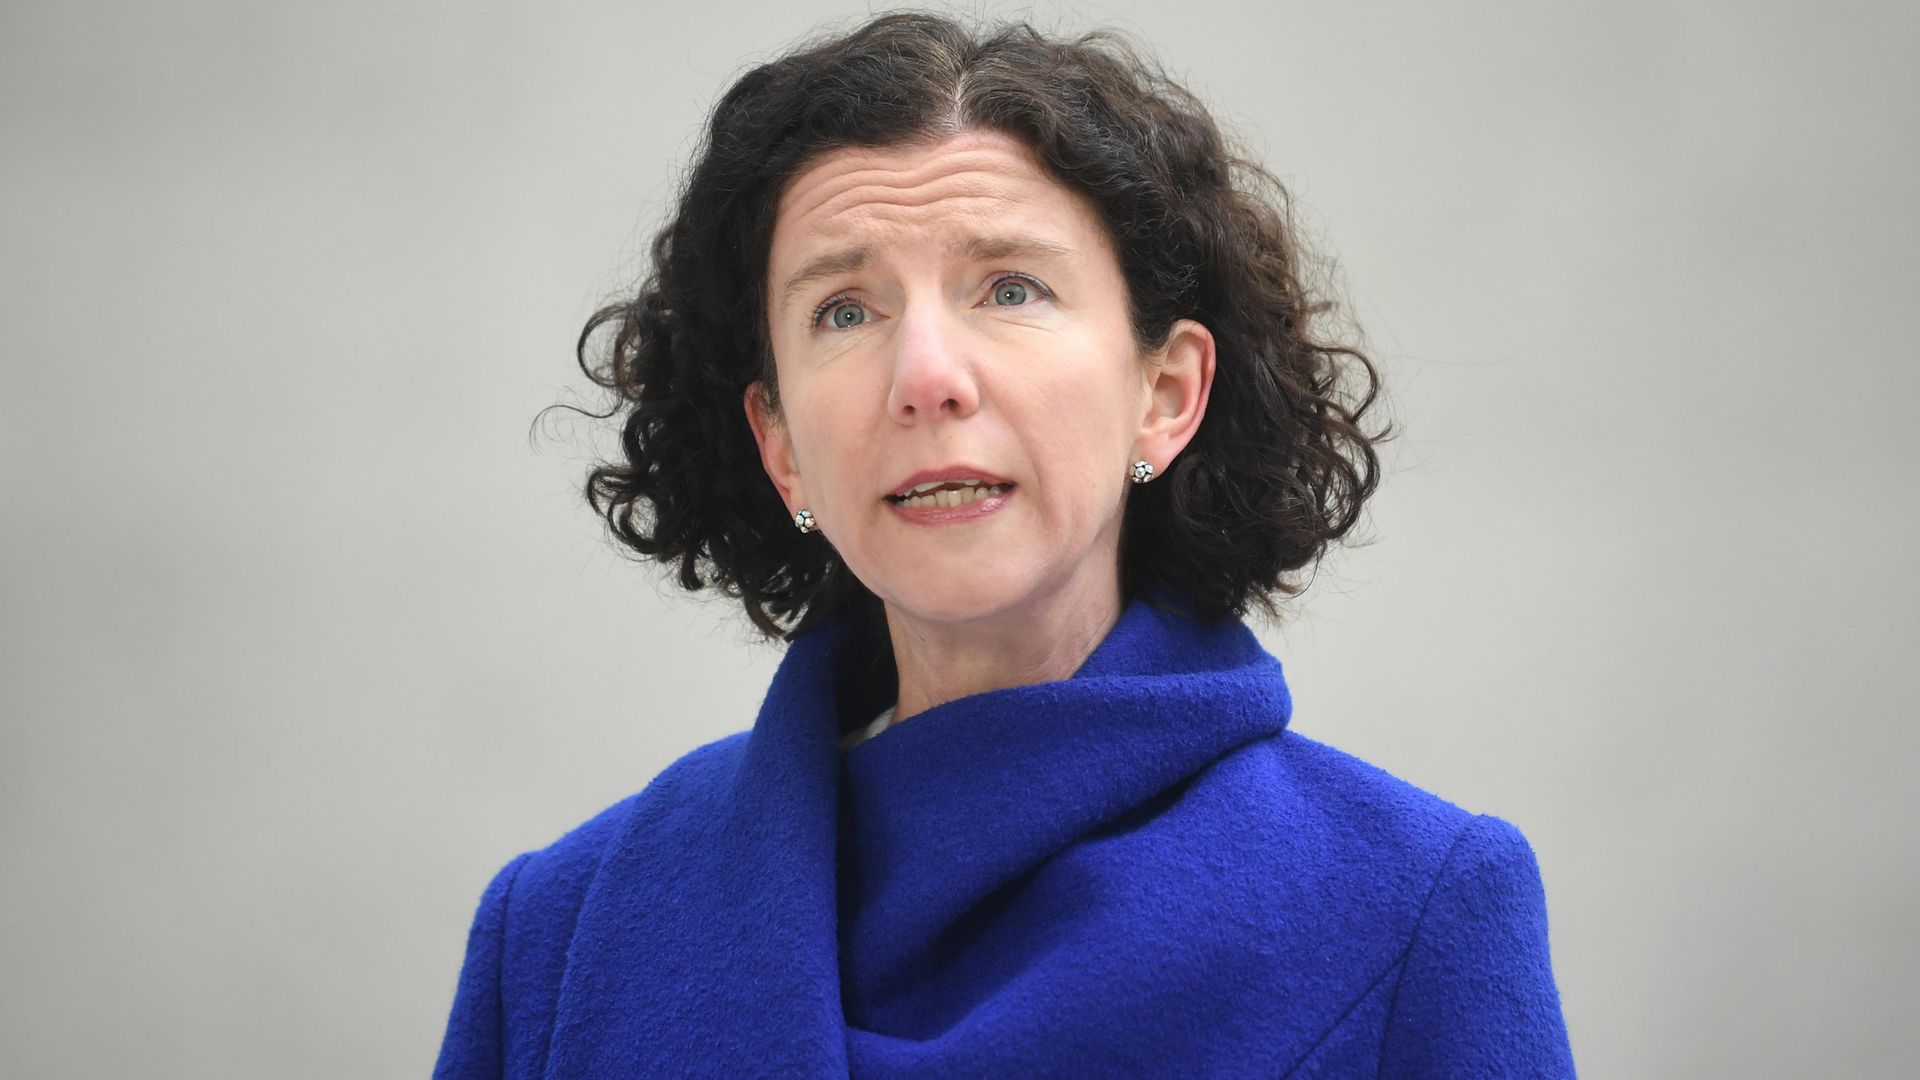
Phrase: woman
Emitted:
{"points": [[1029, 366]]}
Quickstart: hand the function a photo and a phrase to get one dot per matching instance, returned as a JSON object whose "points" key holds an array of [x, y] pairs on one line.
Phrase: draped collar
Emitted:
{"points": [[957, 800], [772, 904]]}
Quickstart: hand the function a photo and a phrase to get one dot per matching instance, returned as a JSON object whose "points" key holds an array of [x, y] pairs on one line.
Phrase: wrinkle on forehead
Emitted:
{"points": [[954, 189], [976, 163]]}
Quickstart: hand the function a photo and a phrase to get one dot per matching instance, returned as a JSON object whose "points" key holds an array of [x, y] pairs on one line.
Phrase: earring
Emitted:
{"points": [[1142, 471], [803, 520]]}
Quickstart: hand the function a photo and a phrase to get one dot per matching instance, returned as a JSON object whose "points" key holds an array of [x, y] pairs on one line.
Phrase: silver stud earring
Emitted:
{"points": [[803, 520], [1142, 471]]}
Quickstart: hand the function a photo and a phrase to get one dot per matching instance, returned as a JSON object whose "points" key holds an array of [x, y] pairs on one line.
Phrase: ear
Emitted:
{"points": [[776, 448], [1179, 376]]}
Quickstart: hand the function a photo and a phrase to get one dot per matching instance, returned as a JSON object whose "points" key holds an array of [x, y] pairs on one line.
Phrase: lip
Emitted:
{"points": [[945, 473], [955, 515]]}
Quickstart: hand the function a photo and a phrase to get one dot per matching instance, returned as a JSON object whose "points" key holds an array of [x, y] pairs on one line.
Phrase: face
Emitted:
{"points": [[951, 304]]}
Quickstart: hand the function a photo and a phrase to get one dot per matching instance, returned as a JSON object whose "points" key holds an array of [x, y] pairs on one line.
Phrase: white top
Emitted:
{"points": [[880, 723]]}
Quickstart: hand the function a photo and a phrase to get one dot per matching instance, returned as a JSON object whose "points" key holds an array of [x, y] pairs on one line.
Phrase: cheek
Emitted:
{"points": [[831, 444], [1075, 443]]}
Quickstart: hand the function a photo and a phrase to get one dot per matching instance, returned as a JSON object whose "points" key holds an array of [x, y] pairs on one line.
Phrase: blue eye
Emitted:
{"points": [[843, 312], [841, 301]]}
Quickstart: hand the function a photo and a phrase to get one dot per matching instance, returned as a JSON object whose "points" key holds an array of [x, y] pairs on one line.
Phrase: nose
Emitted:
{"points": [[932, 367]]}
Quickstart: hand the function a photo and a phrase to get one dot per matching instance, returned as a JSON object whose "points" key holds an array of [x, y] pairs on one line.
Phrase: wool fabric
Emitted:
{"points": [[1137, 871]]}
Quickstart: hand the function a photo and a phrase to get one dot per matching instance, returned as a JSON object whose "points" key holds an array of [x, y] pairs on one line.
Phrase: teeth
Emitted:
{"points": [[920, 488], [948, 500]]}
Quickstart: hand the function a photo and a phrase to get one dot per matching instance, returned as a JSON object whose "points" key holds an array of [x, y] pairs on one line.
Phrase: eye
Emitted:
{"points": [[834, 305], [1010, 290], [1014, 290]]}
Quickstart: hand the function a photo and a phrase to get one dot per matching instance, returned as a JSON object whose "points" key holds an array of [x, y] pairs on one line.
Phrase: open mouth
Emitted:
{"points": [[949, 496]]}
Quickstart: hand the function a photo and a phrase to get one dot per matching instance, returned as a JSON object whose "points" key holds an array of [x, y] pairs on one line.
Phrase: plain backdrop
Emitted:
{"points": [[305, 627]]}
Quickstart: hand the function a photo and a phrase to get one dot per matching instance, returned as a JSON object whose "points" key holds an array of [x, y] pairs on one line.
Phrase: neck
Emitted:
{"points": [[1045, 639]]}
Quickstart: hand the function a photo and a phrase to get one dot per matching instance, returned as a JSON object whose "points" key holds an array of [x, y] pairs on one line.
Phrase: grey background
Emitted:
{"points": [[301, 636]]}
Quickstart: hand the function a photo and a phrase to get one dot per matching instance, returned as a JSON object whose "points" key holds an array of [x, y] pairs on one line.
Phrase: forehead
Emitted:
{"points": [[931, 193]]}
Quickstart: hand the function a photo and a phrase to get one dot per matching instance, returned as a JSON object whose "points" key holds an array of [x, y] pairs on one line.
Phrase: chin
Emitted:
{"points": [[959, 598]]}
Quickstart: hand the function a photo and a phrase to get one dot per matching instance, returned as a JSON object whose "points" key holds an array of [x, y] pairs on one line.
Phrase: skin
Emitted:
{"points": [[1022, 365]]}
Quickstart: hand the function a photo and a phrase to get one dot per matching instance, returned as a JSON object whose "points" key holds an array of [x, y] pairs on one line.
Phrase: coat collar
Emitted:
{"points": [[756, 875], [956, 801]]}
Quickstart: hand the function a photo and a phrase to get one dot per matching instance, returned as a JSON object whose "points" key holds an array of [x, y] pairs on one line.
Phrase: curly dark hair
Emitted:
{"points": [[1279, 467]]}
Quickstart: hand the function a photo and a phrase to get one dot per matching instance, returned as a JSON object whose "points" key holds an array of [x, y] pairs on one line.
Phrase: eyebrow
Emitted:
{"points": [[974, 248]]}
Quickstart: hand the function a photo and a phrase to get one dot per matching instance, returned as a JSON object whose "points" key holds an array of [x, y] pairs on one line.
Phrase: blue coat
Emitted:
{"points": [[1135, 871]]}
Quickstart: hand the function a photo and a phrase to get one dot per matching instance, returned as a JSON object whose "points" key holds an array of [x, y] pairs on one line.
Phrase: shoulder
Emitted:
{"points": [[1354, 801], [1473, 992], [1346, 820], [1396, 811], [551, 881], [1440, 908], [517, 946]]}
